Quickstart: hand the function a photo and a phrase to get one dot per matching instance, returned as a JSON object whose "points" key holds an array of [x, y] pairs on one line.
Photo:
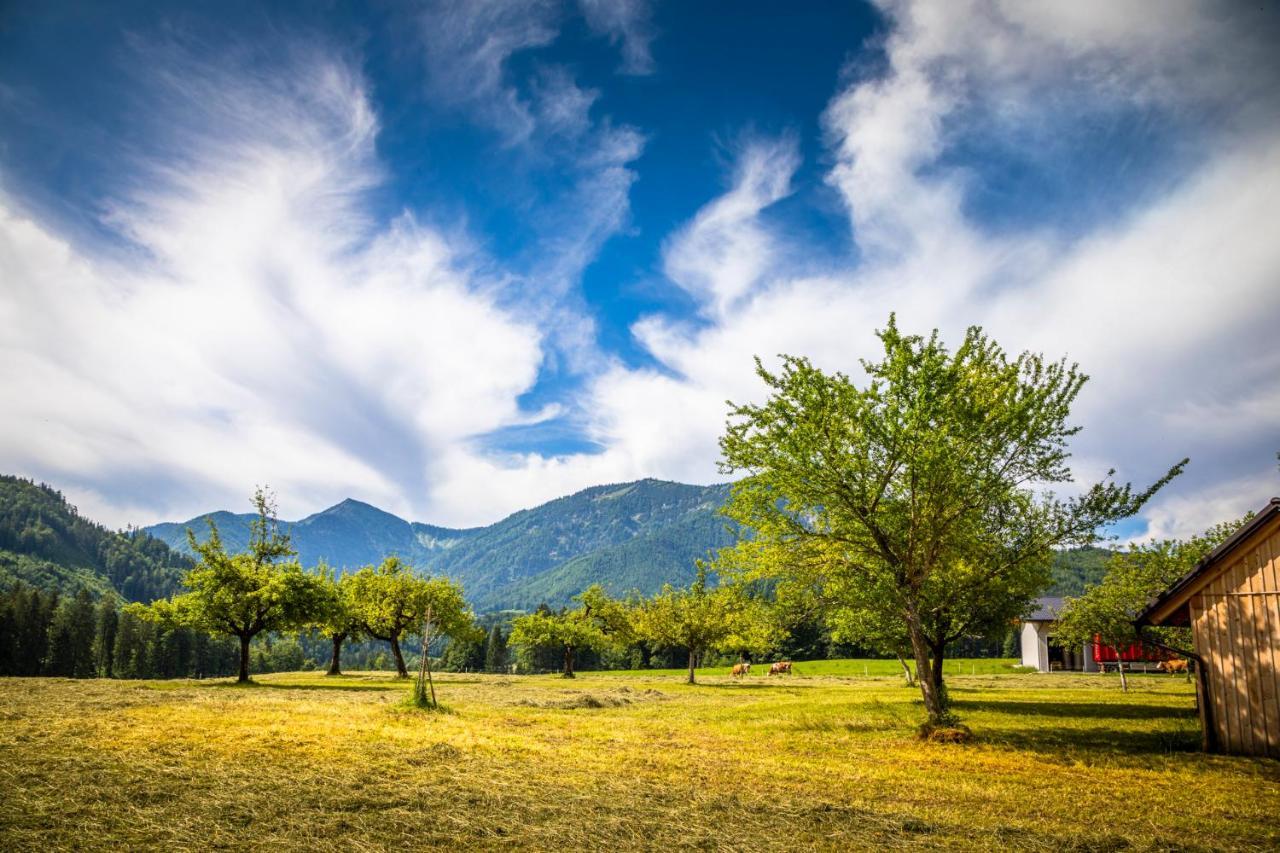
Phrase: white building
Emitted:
{"points": [[1038, 648]]}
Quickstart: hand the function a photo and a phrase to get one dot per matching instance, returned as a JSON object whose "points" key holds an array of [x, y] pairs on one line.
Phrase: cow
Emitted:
{"points": [[1172, 666], [741, 669], [780, 667]]}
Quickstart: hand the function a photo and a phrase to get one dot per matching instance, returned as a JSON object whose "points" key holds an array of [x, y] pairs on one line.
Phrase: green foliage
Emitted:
{"points": [[1133, 578], [391, 599], [908, 499], [598, 622], [71, 636], [243, 595], [1076, 569], [45, 542], [495, 651], [701, 619]]}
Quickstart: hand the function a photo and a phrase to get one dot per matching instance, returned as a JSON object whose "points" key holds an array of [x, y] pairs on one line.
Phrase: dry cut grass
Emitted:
{"points": [[304, 762]]}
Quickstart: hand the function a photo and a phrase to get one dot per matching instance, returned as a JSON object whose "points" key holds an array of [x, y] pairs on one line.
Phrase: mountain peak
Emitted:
{"points": [[353, 507]]}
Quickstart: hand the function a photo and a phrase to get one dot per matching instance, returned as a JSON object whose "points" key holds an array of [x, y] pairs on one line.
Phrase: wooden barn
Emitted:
{"points": [[1231, 600]]}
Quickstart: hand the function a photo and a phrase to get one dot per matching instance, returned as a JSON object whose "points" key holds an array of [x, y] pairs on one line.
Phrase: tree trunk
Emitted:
{"points": [[335, 663], [925, 673], [939, 655], [906, 669], [401, 670], [693, 660], [244, 659], [1124, 684], [568, 662]]}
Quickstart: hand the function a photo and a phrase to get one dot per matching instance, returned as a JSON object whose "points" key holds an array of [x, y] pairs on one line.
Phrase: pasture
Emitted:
{"points": [[825, 759]]}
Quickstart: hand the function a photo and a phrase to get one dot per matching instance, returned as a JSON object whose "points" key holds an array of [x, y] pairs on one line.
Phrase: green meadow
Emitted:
{"points": [[824, 759]]}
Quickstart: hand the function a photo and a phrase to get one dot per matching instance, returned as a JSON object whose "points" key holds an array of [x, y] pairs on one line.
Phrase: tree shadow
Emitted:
{"points": [[1074, 710], [742, 685], [349, 686]]}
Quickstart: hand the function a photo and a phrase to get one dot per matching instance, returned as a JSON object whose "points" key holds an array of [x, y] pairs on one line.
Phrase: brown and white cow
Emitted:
{"points": [[741, 669], [780, 667]]}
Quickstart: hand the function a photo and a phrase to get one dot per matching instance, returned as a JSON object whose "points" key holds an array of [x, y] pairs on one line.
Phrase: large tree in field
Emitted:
{"points": [[918, 496], [391, 599], [598, 622], [243, 595], [1134, 577]]}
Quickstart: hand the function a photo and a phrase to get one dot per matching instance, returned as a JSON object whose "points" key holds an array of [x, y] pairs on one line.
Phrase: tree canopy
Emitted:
{"points": [[242, 595], [918, 496], [391, 599], [700, 618], [598, 622]]}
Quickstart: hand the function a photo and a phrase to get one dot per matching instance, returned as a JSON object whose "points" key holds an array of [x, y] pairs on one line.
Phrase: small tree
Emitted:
{"points": [[1107, 611], [243, 595], [495, 651], [913, 495], [340, 619], [700, 619], [104, 641], [446, 614], [598, 622], [71, 635], [390, 600]]}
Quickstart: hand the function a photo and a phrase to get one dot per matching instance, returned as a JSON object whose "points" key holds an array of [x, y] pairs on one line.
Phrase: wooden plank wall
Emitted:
{"points": [[1236, 622]]}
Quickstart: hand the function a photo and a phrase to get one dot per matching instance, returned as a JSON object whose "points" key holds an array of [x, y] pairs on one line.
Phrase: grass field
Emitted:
{"points": [[825, 759]]}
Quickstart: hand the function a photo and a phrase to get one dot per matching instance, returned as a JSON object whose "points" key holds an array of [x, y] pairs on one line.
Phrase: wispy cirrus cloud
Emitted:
{"points": [[264, 328], [1156, 300], [626, 23]]}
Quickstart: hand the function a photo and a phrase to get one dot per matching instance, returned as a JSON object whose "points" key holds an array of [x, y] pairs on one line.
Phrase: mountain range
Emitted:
{"points": [[626, 536]]}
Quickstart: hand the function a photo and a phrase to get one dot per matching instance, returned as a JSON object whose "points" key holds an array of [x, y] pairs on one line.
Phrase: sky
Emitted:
{"points": [[458, 259]]}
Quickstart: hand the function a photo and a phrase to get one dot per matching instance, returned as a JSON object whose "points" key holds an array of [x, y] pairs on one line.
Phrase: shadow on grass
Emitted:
{"points": [[741, 685], [1074, 710], [349, 686], [1069, 744]]}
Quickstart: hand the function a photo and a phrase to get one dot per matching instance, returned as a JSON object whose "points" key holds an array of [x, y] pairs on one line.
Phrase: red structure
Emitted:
{"points": [[1135, 653]]}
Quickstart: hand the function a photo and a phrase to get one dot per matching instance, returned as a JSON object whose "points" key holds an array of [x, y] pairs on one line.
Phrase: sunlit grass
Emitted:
{"points": [[611, 761]]}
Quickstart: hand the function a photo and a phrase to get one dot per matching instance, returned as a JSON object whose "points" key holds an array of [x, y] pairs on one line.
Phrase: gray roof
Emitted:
{"points": [[1046, 609]]}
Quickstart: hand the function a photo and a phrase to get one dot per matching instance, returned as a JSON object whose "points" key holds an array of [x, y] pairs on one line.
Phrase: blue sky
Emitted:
{"points": [[458, 258]]}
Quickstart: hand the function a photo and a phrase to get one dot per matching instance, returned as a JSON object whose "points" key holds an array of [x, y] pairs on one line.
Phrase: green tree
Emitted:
{"points": [[914, 494], [701, 619], [340, 619], [390, 600], [243, 595], [71, 635], [128, 655], [1133, 578], [495, 651], [598, 622], [104, 643]]}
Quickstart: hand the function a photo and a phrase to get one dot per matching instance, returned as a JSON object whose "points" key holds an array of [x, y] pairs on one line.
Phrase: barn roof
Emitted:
{"points": [[1047, 609], [1171, 601]]}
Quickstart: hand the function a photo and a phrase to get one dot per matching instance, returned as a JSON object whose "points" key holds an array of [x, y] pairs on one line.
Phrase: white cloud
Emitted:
{"points": [[724, 251], [272, 333], [627, 24], [1167, 304]]}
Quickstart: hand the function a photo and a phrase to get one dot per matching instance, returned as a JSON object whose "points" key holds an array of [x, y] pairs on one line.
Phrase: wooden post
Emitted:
{"points": [[424, 666]]}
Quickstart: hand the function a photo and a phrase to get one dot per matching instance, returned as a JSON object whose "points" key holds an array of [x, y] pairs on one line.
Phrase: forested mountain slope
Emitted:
{"points": [[45, 542], [627, 536]]}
